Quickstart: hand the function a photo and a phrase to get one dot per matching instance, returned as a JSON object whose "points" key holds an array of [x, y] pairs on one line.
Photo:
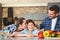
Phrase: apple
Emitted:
{"points": [[58, 34], [50, 31], [46, 34]]}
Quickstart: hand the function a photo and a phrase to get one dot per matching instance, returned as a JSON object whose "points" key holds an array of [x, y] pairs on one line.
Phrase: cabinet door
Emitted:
{"points": [[0, 16]]}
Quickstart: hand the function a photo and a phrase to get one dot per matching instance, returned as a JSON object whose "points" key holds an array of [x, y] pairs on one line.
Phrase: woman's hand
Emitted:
{"points": [[15, 33]]}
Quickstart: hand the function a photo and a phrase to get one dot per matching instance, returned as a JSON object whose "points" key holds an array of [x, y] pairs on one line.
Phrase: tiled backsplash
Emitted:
{"points": [[27, 10]]}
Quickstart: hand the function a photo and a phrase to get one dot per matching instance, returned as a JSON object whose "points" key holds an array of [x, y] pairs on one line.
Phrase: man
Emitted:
{"points": [[52, 22]]}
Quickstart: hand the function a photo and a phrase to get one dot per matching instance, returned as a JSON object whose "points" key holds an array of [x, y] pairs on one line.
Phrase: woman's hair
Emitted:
{"points": [[29, 20], [19, 22]]}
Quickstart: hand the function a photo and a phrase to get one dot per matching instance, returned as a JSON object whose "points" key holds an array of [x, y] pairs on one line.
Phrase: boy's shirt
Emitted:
{"points": [[26, 31]]}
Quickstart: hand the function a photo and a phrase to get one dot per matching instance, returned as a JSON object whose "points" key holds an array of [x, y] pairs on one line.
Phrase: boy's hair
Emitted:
{"points": [[29, 20]]}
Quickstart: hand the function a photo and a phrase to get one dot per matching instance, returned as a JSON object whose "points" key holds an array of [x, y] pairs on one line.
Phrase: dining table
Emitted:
{"points": [[4, 37], [31, 38]]}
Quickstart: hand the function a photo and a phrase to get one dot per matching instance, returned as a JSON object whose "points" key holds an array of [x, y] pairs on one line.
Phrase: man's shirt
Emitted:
{"points": [[53, 23]]}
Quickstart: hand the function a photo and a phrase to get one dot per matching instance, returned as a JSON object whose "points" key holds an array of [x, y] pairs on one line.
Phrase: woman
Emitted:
{"points": [[19, 27]]}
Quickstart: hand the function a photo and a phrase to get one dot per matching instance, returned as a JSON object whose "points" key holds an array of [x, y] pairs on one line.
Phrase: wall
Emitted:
{"points": [[26, 10]]}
